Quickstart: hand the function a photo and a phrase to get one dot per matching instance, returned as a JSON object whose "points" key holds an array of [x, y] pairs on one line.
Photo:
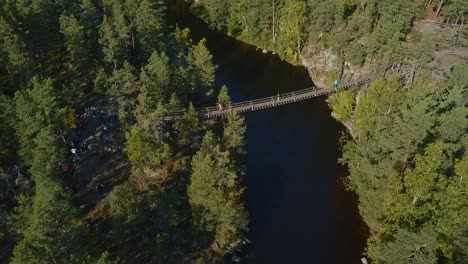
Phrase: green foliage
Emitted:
{"points": [[116, 50], [122, 85], [21, 214], [223, 97], [150, 27], [13, 58], [113, 42], [214, 194], [37, 108], [233, 134], [458, 76], [156, 78], [457, 8], [277, 25], [75, 41], [374, 111], [201, 69], [50, 232], [354, 29], [7, 132], [215, 12], [292, 21], [415, 119], [105, 259], [406, 166], [146, 149], [423, 52], [407, 246], [131, 30], [342, 105], [124, 201], [188, 128], [411, 199], [452, 216], [355, 53]]}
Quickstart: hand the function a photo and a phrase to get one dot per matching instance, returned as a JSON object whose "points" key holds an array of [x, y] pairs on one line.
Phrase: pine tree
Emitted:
{"points": [[408, 247], [122, 85], [75, 42], [157, 77], [113, 39], [7, 132], [214, 194], [342, 104], [150, 27], [233, 134], [36, 108], [13, 57], [51, 233], [188, 128], [201, 70], [223, 97]]}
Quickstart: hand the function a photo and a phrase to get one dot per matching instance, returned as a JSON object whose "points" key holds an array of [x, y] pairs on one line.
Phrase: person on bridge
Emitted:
{"points": [[220, 107], [335, 83]]}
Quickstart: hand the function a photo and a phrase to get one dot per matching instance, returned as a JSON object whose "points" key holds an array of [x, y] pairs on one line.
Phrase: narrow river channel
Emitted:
{"points": [[299, 209]]}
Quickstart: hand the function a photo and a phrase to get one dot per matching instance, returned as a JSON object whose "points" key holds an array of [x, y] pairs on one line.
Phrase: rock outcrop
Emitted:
{"points": [[323, 65]]}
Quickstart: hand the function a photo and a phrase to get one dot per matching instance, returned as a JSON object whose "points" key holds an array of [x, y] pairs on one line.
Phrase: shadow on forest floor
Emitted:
{"points": [[102, 163]]}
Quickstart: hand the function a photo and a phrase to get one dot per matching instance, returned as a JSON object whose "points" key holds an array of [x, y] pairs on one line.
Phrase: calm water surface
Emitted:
{"points": [[300, 211]]}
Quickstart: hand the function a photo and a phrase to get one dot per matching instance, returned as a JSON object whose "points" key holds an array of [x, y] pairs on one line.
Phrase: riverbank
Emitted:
{"points": [[399, 124], [299, 206]]}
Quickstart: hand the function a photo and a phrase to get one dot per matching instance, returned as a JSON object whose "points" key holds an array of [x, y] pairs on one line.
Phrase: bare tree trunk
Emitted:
{"points": [[9, 72], [441, 3], [298, 40], [455, 25], [429, 3], [274, 33], [52, 255]]}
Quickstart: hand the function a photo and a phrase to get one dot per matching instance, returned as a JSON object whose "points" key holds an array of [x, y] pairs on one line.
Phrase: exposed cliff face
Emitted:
{"points": [[324, 65]]}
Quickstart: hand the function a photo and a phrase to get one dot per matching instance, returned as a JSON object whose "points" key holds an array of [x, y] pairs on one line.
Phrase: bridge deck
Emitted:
{"points": [[273, 101]]}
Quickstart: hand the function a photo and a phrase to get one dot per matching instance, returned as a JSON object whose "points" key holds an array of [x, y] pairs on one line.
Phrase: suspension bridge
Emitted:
{"points": [[272, 101]]}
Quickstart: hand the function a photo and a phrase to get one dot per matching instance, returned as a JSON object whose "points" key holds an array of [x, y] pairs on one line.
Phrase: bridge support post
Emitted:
{"points": [[294, 97], [208, 111], [251, 106]]}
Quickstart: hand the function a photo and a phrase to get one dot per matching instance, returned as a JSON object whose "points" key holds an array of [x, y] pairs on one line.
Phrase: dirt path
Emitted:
{"points": [[103, 163]]}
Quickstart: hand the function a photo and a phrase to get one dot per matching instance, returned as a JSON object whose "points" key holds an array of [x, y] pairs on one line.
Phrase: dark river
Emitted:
{"points": [[299, 209]]}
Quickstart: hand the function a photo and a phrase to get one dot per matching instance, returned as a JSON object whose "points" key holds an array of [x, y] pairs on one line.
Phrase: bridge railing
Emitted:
{"points": [[299, 94]]}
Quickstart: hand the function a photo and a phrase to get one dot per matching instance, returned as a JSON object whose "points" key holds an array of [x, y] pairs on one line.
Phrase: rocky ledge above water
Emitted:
{"points": [[323, 65]]}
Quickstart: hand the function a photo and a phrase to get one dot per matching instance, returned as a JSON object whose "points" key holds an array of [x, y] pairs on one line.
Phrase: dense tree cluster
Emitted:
{"points": [[54, 56], [408, 164], [353, 29], [407, 157]]}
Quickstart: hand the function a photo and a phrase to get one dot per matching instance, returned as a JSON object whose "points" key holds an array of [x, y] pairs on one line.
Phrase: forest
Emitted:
{"points": [[178, 201], [355, 29], [178, 197], [407, 144]]}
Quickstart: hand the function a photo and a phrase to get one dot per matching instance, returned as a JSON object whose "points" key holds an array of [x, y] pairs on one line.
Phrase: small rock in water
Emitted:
{"points": [[264, 51], [364, 261]]}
